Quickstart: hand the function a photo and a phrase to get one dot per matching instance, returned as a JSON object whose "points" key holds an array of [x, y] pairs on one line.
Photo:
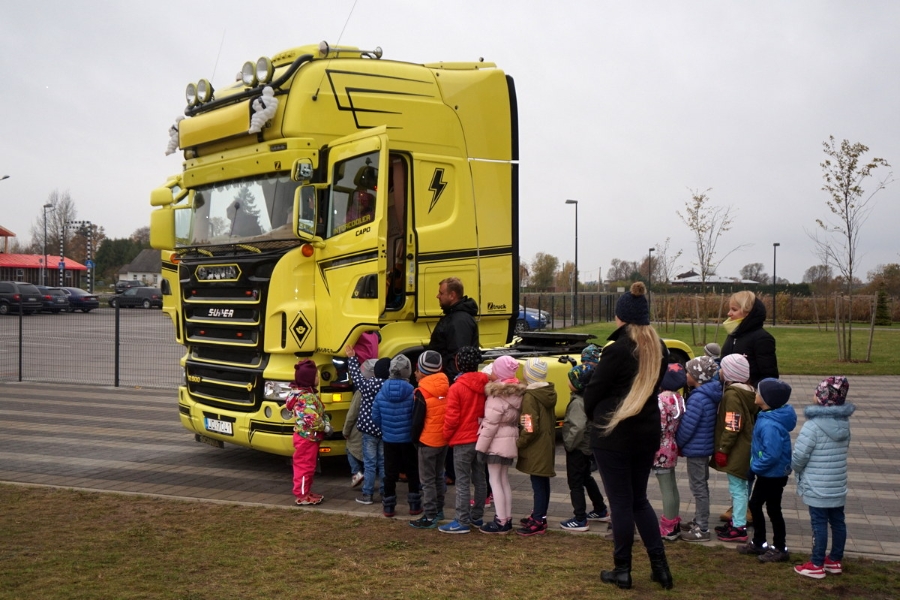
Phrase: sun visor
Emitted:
{"points": [[215, 125]]}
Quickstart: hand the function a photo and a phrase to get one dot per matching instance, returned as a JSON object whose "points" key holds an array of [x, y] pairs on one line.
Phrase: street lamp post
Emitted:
{"points": [[44, 264], [774, 279], [649, 280], [575, 279]]}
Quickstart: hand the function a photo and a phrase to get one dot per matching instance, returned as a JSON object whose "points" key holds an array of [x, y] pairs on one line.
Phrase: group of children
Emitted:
{"points": [[744, 432], [491, 418]]}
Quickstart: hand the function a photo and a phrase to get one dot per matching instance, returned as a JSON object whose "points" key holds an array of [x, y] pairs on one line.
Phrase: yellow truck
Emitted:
{"points": [[324, 193]]}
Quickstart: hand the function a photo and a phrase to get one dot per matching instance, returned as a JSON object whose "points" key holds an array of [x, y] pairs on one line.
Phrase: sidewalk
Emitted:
{"points": [[131, 440]]}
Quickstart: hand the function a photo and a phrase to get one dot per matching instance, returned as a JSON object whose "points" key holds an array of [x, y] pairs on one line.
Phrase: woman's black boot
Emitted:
{"points": [[659, 569], [621, 575]]}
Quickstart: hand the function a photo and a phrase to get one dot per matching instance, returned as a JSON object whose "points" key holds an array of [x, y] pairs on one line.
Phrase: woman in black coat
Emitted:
{"points": [[746, 317], [620, 400]]}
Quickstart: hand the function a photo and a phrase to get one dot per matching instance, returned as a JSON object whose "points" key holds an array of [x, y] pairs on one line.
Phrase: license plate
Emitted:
{"points": [[223, 427], [32, 300]]}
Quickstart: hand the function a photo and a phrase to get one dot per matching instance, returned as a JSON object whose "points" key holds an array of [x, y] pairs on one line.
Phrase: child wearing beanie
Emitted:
{"points": [[770, 462], [733, 436], [429, 407], [820, 466], [695, 439], [465, 409], [578, 456], [496, 444], [310, 425], [392, 413], [537, 442], [363, 351], [671, 409]]}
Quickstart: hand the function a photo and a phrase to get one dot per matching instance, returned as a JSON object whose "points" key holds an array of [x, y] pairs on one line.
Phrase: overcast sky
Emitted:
{"points": [[625, 106]]}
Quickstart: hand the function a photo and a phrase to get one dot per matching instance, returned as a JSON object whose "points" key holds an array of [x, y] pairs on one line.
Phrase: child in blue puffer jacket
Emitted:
{"points": [[770, 461], [695, 438]]}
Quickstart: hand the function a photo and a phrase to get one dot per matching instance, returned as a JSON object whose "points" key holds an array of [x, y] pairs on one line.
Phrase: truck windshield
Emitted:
{"points": [[243, 210]]}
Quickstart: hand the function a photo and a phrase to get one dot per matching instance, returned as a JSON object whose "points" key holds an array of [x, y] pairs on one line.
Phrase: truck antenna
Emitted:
{"points": [[216, 65], [340, 37]]}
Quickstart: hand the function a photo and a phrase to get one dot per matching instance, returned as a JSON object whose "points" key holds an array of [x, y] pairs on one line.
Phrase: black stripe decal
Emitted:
{"points": [[463, 254], [169, 267]]}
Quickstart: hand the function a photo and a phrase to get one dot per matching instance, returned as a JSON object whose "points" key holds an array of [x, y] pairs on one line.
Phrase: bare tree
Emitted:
{"points": [[664, 268], [707, 223], [141, 235], [62, 210], [844, 172]]}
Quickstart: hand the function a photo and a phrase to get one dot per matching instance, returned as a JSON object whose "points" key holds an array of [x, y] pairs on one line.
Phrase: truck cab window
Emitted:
{"points": [[354, 192]]}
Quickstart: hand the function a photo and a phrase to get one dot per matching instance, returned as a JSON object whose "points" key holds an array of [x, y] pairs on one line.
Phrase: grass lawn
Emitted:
{"points": [[69, 544], [801, 350]]}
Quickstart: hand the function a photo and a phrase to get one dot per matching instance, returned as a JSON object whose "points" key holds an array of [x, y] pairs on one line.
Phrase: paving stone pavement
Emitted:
{"points": [[130, 440]]}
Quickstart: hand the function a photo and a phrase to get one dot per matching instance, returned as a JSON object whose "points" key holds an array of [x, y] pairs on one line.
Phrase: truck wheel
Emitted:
{"points": [[522, 326]]}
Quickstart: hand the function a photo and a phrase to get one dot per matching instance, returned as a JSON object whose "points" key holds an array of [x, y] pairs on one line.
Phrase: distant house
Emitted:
{"points": [[145, 267], [30, 267]]}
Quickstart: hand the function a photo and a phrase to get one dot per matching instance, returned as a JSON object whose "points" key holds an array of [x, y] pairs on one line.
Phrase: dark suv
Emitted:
{"points": [[146, 297], [17, 296], [127, 284]]}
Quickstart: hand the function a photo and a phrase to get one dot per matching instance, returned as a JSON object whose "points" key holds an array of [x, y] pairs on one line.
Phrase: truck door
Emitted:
{"points": [[351, 267]]}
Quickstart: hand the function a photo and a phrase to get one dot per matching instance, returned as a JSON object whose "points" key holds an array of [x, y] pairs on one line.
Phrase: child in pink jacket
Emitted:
{"points": [[497, 437]]}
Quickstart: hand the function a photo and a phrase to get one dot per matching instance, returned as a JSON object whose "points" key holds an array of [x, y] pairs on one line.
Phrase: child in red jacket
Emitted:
{"points": [[465, 409]]}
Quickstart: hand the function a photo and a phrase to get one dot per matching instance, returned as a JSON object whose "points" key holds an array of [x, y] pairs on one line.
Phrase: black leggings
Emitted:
{"points": [[625, 476]]}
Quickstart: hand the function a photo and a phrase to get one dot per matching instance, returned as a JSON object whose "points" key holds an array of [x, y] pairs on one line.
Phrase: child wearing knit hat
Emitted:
{"points": [[770, 462], [671, 409], [537, 442], [310, 424], [497, 435], [695, 439], [733, 436], [428, 434], [364, 350], [820, 466], [577, 444]]}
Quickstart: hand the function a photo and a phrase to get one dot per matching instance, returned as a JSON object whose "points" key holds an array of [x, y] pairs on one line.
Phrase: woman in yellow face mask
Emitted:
{"points": [[746, 316]]}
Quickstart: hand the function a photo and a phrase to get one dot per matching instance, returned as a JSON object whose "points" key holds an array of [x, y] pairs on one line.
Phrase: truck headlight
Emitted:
{"points": [[276, 390]]}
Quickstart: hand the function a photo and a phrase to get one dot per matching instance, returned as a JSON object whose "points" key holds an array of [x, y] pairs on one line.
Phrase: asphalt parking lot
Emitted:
{"points": [[130, 440]]}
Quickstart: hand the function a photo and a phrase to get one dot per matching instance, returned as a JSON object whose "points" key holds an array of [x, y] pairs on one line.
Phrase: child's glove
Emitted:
{"points": [[721, 459]]}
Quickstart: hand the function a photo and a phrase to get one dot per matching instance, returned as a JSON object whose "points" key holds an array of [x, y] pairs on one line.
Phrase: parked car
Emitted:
{"points": [[54, 299], [145, 297], [125, 284], [81, 300], [530, 319], [18, 296]]}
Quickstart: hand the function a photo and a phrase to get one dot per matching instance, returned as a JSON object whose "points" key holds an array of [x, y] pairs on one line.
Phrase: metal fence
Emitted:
{"points": [[106, 346]]}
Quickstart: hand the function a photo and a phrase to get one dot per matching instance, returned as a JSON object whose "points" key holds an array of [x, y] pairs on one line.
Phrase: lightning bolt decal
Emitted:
{"points": [[437, 186]]}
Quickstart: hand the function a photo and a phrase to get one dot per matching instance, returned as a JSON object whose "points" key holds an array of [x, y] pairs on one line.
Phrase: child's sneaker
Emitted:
{"points": [[309, 500], [723, 527], [496, 527], [603, 515], [734, 534], [574, 524], [773, 554], [688, 526], [810, 570], [356, 479], [424, 523], [695, 534], [751, 548], [488, 500], [454, 527], [365, 499], [833, 566], [534, 527], [526, 520]]}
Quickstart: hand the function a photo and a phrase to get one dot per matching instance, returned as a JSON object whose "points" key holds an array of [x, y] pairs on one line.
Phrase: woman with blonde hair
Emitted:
{"points": [[621, 402], [746, 317]]}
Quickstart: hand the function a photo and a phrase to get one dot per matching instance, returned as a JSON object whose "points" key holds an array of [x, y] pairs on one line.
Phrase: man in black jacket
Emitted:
{"points": [[457, 328]]}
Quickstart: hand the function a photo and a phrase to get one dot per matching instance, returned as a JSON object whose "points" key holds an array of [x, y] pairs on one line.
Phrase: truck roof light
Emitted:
{"points": [[248, 74], [264, 69], [204, 90], [190, 94]]}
